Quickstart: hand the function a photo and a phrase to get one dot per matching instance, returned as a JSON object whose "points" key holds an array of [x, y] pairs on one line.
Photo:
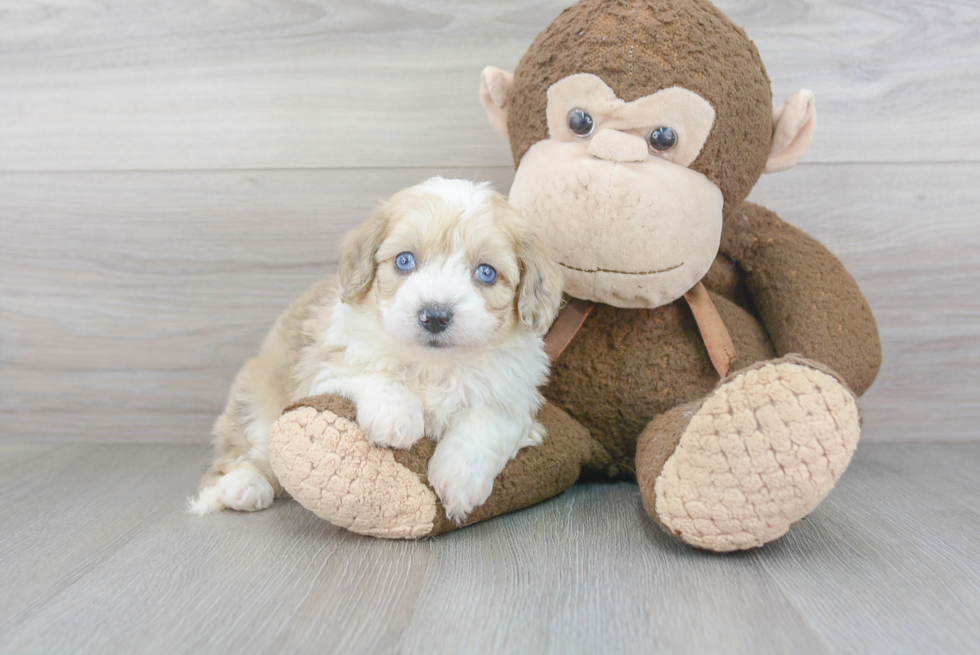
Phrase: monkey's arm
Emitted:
{"points": [[805, 297]]}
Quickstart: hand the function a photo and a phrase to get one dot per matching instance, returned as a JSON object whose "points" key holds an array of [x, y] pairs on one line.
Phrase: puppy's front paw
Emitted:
{"points": [[391, 418], [462, 478]]}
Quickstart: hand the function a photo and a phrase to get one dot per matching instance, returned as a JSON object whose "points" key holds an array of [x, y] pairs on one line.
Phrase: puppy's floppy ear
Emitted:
{"points": [[357, 253], [539, 291]]}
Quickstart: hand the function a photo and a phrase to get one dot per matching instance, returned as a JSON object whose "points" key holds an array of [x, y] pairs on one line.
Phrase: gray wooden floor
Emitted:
{"points": [[98, 557], [174, 172]]}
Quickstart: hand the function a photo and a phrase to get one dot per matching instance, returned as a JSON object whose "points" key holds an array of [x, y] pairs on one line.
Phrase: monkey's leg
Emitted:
{"points": [[324, 461], [736, 469]]}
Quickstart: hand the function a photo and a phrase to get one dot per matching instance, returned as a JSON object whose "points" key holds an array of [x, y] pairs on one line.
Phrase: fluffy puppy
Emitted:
{"points": [[433, 328]]}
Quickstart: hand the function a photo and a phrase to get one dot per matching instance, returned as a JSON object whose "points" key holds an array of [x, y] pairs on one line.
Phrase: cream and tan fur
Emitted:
{"points": [[361, 335]]}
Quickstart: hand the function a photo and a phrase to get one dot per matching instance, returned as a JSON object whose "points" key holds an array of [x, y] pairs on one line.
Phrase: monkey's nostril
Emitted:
{"points": [[435, 318]]}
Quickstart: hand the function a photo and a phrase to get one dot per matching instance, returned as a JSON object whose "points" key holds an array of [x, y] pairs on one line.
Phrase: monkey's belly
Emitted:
{"points": [[626, 366]]}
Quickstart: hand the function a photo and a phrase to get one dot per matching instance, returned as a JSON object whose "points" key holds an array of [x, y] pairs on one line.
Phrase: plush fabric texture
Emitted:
{"points": [[325, 462], [690, 115], [536, 474], [714, 334], [803, 295], [669, 240], [758, 454], [783, 293], [721, 465], [627, 366], [639, 47], [627, 372], [794, 123]]}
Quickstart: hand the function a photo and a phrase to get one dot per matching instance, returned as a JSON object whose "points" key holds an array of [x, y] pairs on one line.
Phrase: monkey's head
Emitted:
{"points": [[635, 126]]}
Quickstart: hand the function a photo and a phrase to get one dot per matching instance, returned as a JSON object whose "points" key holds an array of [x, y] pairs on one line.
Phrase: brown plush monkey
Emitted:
{"points": [[638, 128]]}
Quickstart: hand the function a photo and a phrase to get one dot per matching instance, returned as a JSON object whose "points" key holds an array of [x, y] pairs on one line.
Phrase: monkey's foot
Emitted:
{"points": [[323, 459], [737, 469], [325, 462]]}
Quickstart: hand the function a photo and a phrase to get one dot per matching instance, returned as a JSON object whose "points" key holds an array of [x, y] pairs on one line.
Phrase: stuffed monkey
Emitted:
{"points": [[708, 350]]}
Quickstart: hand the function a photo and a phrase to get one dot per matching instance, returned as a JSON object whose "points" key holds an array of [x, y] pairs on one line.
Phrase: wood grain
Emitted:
{"points": [[910, 236], [14, 455], [246, 84], [67, 509], [173, 173], [904, 517], [888, 564], [588, 572], [129, 300]]}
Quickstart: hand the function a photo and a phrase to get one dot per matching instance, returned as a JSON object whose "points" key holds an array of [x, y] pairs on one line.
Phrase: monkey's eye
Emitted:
{"points": [[580, 123], [662, 139], [485, 273], [405, 262]]}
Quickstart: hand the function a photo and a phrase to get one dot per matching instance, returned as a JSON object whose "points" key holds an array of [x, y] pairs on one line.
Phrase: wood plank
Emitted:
{"points": [[128, 301], [284, 581], [890, 563], [253, 583], [909, 234], [590, 572], [66, 512], [182, 85], [13, 456]]}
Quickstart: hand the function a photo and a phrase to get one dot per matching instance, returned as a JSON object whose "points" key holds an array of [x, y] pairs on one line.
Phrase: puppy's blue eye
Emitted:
{"points": [[486, 274], [405, 262]]}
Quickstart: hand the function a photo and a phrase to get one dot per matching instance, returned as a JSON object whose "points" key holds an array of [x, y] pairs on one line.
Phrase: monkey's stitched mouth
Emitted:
{"points": [[606, 270]]}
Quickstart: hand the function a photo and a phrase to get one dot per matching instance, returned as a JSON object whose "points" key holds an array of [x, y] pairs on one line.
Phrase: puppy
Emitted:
{"points": [[433, 328]]}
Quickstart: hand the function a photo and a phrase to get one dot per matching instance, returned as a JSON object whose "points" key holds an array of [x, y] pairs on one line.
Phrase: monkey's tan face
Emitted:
{"points": [[629, 222], [629, 235]]}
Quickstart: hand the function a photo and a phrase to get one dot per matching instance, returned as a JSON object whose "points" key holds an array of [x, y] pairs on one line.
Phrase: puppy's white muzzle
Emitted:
{"points": [[438, 306]]}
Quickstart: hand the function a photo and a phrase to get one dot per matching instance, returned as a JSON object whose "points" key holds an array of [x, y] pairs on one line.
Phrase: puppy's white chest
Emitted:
{"points": [[442, 402]]}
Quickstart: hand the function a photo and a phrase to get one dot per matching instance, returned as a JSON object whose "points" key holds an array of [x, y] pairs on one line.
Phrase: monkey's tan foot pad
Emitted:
{"points": [[323, 460], [758, 454]]}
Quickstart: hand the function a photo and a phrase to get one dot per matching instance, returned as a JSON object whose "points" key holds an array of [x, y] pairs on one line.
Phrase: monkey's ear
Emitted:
{"points": [[357, 253], [495, 87], [793, 124]]}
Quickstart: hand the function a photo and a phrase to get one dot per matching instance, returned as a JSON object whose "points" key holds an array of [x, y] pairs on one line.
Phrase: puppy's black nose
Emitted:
{"points": [[435, 318]]}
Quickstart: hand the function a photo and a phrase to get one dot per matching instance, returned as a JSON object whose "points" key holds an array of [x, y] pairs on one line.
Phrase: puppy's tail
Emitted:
{"points": [[208, 501]]}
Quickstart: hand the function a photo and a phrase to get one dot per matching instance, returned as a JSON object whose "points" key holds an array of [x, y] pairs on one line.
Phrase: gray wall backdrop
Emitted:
{"points": [[173, 173]]}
